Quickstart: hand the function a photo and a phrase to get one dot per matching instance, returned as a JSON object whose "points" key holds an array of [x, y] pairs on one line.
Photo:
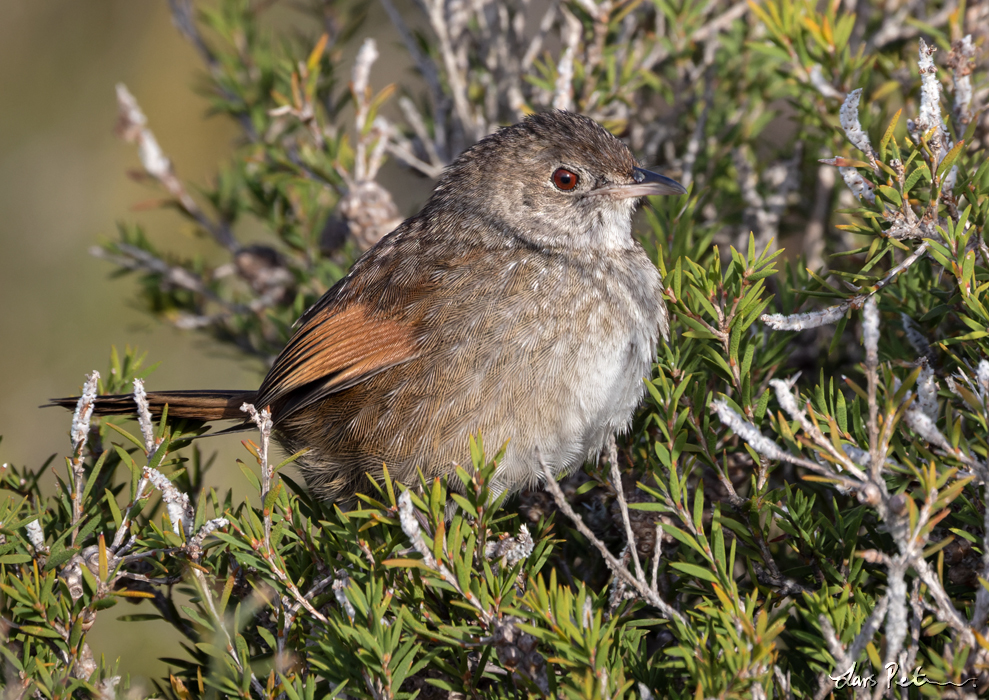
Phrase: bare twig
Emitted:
{"points": [[981, 611], [646, 593], [455, 69], [412, 529], [814, 243], [150, 446], [144, 417], [616, 480], [178, 505], [563, 90], [132, 127], [430, 73], [846, 657], [832, 314], [770, 450], [134, 258], [79, 434], [870, 340], [535, 46], [262, 419], [788, 402], [896, 28]]}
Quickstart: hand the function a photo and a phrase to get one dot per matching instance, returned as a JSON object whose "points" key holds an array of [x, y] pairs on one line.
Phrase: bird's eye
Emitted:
{"points": [[565, 179]]}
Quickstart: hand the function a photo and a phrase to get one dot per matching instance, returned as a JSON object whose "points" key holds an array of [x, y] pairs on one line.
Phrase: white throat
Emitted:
{"points": [[612, 226]]}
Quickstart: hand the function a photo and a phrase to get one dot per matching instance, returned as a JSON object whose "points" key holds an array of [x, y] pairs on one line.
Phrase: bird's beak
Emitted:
{"points": [[646, 183]]}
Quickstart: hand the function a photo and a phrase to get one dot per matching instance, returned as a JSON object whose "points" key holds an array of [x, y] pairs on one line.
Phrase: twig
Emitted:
{"points": [[361, 91], [696, 137], [182, 19], [79, 434], [144, 417], [814, 236], [150, 446], [657, 553], [563, 89], [648, 594], [414, 119], [549, 17], [207, 597], [788, 402], [178, 505], [292, 612], [870, 340], [430, 73], [262, 419], [961, 60], [764, 446], [720, 22], [135, 258], [846, 657], [412, 529], [132, 127], [616, 480], [981, 611], [896, 28], [832, 314], [946, 610], [455, 74]]}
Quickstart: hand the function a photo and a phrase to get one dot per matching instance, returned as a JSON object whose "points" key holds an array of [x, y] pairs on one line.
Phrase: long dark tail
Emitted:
{"points": [[198, 405]]}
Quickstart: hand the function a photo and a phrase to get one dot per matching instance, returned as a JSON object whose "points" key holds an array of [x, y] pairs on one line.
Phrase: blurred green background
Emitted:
{"points": [[64, 185]]}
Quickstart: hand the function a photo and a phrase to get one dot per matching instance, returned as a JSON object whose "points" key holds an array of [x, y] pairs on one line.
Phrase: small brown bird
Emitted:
{"points": [[516, 305]]}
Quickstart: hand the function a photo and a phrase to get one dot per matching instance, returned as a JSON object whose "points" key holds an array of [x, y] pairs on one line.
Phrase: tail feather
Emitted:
{"points": [[198, 405]]}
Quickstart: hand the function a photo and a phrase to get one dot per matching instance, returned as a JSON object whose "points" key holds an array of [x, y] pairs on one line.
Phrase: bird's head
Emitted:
{"points": [[556, 179]]}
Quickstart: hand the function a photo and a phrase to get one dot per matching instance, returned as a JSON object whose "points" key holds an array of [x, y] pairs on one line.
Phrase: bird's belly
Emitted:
{"points": [[593, 399]]}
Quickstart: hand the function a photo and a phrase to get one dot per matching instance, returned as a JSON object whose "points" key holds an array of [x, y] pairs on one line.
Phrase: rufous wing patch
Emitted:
{"points": [[334, 349]]}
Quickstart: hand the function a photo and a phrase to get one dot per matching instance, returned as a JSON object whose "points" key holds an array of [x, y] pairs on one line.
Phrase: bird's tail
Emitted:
{"points": [[198, 405]]}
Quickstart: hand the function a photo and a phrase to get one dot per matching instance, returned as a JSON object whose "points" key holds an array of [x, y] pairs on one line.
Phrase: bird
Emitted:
{"points": [[516, 305]]}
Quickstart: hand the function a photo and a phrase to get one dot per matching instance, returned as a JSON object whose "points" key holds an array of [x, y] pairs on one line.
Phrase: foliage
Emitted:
{"points": [[803, 492]]}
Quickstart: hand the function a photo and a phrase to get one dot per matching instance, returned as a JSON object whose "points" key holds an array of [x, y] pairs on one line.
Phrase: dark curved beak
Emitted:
{"points": [[646, 183]]}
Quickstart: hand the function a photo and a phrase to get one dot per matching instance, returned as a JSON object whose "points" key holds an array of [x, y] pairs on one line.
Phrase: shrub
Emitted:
{"points": [[800, 508]]}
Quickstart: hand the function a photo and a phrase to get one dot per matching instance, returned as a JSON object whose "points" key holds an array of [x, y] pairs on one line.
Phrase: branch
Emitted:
{"points": [[132, 127], [646, 592]]}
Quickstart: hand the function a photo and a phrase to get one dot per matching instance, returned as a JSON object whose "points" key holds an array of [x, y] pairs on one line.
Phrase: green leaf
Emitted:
{"points": [[40, 631], [15, 558], [694, 570], [950, 159]]}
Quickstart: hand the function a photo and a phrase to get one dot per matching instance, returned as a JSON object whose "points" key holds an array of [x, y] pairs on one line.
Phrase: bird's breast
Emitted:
{"points": [[581, 361]]}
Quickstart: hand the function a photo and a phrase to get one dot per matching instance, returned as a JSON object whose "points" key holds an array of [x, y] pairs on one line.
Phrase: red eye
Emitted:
{"points": [[564, 179]]}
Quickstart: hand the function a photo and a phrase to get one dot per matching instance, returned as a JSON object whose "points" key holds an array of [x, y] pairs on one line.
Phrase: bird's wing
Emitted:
{"points": [[334, 348]]}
